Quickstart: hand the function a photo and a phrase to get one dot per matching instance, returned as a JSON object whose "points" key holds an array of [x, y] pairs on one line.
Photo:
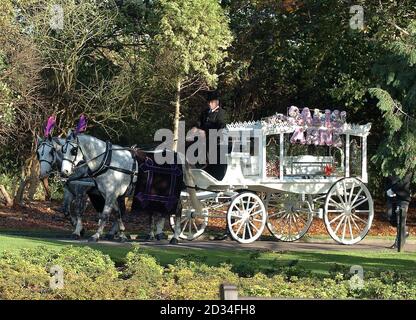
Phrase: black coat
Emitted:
{"points": [[401, 187], [212, 120]]}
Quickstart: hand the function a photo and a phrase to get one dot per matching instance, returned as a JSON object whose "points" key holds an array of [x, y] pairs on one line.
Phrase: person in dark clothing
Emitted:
{"points": [[213, 118], [398, 197]]}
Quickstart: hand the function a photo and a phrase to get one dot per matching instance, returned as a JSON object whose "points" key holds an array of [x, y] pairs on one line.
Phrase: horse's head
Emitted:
{"points": [[46, 150], [71, 154], [46, 154]]}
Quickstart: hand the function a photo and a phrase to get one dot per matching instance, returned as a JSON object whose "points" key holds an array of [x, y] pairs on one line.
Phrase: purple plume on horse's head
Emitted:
{"points": [[82, 124], [49, 126]]}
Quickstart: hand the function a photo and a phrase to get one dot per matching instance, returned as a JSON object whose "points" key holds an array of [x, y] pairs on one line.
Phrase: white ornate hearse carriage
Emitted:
{"points": [[281, 172]]}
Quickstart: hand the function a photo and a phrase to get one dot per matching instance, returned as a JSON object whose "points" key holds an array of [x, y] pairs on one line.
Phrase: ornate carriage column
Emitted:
{"points": [[361, 131], [364, 159], [281, 154], [347, 155]]}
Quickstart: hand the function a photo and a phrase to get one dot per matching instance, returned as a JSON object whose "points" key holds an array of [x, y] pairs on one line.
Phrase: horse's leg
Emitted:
{"points": [[105, 214], [118, 227], [122, 212], [66, 206], [151, 236], [80, 205], [113, 231], [177, 228], [159, 228]]}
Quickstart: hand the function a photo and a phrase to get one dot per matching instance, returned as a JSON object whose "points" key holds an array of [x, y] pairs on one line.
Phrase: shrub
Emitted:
{"points": [[143, 276], [88, 274], [246, 268], [190, 280], [78, 259]]}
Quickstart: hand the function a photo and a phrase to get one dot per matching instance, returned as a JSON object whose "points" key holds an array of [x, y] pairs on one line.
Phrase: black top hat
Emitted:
{"points": [[213, 95]]}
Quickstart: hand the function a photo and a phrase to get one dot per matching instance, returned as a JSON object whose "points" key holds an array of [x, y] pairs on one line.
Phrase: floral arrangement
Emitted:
{"points": [[319, 128]]}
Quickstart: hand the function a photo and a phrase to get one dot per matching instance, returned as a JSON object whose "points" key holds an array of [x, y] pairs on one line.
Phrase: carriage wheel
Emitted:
{"points": [[192, 225], [246, 217], [289, 217], [348, 211]]}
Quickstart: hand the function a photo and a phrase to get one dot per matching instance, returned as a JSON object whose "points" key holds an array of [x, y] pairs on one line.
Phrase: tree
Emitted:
{"points": [[21, 102], [397, 101], [305, 53], [190, 41]]}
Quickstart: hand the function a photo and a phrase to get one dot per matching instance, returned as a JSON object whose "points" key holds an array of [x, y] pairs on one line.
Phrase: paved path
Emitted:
{"points": [[318, 245]]}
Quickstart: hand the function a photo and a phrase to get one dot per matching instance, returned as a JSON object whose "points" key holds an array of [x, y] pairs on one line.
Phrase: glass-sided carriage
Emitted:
{"points": [[275, 178]]}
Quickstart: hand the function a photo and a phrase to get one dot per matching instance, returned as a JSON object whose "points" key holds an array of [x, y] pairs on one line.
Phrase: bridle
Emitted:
{"points": [[75, 149], [42, 153], [74, 152]]}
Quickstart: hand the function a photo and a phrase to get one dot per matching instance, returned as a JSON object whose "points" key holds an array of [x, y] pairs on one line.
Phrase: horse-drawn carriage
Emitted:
{"points": [[282, 172]]}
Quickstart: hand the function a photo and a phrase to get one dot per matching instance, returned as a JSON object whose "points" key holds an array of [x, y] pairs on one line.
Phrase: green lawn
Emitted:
{"points": [[318, 262]]}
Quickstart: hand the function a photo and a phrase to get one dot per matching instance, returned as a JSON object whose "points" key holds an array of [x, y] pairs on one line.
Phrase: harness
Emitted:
{"points": [[52, 152], [146, 166], [105, 162], [74, 152]]}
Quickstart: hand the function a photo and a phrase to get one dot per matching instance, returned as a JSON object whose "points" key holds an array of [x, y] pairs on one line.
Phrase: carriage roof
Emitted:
{"points": [[268, 126]]}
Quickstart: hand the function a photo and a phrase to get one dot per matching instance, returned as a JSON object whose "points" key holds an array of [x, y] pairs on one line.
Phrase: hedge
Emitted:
{"points": [[90, 274]]}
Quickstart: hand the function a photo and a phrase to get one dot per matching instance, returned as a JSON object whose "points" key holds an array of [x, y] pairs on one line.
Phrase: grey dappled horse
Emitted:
{"points": [[49, 154], [115, 170], [112, 184]]}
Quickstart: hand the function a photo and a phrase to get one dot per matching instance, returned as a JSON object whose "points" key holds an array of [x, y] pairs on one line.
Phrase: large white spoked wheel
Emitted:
{"points": [[192, 224], [348, 211], [289, 217], [246, 217]]}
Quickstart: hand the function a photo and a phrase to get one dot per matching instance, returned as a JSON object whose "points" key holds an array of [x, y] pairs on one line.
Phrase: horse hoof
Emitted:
{"points": [[149, 238], [160, 236], [109, 237], [123, 239], [75, 236], [93, 239], [174, 241]]}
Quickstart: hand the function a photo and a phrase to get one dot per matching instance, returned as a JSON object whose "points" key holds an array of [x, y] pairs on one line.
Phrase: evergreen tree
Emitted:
{"points": [[397, 101], [190, 41]]}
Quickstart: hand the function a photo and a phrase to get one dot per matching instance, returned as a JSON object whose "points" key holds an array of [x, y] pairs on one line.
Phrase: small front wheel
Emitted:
{"points": [[192, 224], [246, 217]]}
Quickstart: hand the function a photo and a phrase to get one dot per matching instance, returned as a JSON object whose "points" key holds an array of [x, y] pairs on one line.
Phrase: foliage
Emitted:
{"points": [[191, 280], [397, 97], [88, 274], [123, 64], [190, 40], [193, 35]]}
